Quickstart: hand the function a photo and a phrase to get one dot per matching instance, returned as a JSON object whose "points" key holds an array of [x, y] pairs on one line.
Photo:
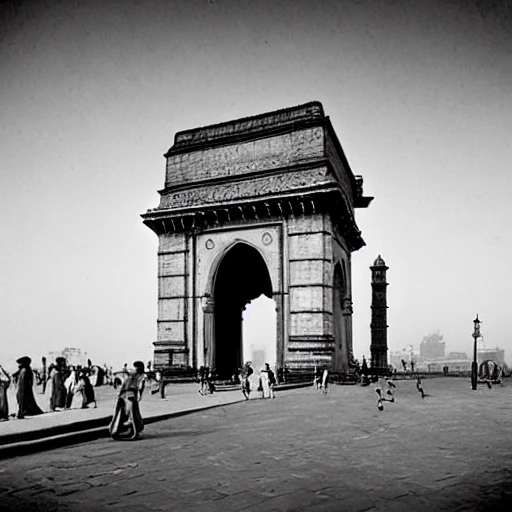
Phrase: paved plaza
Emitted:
{"points": [[301, 451]]}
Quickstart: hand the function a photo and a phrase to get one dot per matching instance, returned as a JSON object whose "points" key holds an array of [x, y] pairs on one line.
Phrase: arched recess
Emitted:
{"points": [[339, 323], [242, 275]]}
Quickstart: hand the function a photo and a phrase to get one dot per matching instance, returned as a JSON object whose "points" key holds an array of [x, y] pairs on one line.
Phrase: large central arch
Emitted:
{"points": [[242, 276]]}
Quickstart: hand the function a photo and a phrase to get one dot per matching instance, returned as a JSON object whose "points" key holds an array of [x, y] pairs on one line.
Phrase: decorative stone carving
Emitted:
{"points": [[347, 306], [291, 181], [266, 238]]}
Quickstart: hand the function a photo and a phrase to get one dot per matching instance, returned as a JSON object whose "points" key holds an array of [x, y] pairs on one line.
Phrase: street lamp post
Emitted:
{"points": [[474, 364]]}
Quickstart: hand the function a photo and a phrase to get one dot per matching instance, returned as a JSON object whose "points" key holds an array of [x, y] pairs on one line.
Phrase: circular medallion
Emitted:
{"points": [[266, 238], [209, 244]]}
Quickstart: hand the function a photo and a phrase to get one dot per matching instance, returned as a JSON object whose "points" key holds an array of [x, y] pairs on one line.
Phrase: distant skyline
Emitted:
{"points": [[92, 93]]}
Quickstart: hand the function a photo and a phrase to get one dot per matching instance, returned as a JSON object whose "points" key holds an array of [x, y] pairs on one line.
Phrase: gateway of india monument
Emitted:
{"points": [[260, 205]]}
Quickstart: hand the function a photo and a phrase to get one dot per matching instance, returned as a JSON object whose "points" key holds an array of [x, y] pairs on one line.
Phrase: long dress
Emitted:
{"points": [[265, 387], [70, 384], [85, 387], [27, 405], [127, 422], [58, 396], [4, 404]]}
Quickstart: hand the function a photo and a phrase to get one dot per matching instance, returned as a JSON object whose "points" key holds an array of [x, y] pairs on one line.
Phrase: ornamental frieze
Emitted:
{"points": [[263, 186]]}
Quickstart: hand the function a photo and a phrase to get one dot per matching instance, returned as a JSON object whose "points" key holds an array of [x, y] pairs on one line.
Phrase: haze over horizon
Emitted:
{"points": [[92, 93]]}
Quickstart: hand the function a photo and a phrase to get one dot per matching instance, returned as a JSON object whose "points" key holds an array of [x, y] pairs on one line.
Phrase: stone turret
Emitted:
{"points": [[379, 327]]}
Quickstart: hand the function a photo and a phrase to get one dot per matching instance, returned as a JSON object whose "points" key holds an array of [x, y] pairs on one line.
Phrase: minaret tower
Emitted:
{"points": [[379, 328]]}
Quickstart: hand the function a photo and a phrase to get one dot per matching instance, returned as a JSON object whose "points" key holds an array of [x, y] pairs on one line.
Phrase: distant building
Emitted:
{"points": [[432, 347], [72, 355], [453, 365], [493, 354], [406, 354], [458, 355]]}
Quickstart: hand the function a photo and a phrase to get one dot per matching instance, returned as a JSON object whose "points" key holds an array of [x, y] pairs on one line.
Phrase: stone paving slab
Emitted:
{"points": [[182, 399], [302, 451], [53, 429]]}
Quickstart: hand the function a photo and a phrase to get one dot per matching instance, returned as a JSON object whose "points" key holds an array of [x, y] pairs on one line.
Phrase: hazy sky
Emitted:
{"points": [[92, 93]]}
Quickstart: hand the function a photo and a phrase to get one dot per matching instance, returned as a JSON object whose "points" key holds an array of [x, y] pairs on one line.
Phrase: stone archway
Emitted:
{"points": [[280, 183], [242, 276]]}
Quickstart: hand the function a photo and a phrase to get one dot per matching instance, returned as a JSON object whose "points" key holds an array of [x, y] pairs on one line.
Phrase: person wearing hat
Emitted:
{"points": [[27, 405], [58, 378], [127, 422]]}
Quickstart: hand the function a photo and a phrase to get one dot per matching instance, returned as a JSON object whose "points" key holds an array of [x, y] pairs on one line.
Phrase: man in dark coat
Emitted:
{"points": [[58, 377], [27, 405]]}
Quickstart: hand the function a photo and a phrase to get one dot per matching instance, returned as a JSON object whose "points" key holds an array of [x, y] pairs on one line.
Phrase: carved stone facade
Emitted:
{"points": [[258, 205], [379, 327]]}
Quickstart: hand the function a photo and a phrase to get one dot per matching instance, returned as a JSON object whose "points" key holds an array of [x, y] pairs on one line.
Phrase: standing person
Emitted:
{"points": [[85, 387], [247, 371], [209, 381], [317, 381], [27, 405], [202, 380], [45, 374], [70, 384], [58, 378], [271, 381], [127, 422], [264, 381], [325, 380], [5, 382], [419, 387]]}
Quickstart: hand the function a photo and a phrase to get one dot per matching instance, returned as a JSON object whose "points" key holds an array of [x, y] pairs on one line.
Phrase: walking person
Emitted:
{"points": [[5, 382], [209, 381], [317, 377], [325, 380], [27, 405], [44, 374], [390, 385], [264, 383], [247, 371], [202, 380], [86, 389], [70, 384], [127, 422], [58, 377], [271, 381], [419, 387]]}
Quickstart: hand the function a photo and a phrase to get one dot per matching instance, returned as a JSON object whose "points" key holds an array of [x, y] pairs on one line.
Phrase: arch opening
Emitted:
{"points": [[259, 332], [339, 328], [242, 276]]}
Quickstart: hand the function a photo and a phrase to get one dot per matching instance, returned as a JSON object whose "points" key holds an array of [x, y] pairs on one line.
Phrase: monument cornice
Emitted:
{"points": [[315, 199], [248, 128]]}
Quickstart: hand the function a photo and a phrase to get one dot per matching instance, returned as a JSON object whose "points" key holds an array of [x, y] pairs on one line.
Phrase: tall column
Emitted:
{"points": [[209, 332], [379, 327], [347, 315]]}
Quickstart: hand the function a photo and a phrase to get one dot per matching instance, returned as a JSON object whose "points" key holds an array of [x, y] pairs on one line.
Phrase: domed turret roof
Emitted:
{"points": [[379, 262]]}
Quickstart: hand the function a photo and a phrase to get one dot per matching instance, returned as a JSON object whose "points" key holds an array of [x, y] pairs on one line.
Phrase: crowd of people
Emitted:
{"points": [[267, 380], [62, 381]]}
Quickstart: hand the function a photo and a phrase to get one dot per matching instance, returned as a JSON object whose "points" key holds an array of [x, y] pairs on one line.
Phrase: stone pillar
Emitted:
{"points": [[379, 340], [278, 298], [347, 315], [209, 332]]}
